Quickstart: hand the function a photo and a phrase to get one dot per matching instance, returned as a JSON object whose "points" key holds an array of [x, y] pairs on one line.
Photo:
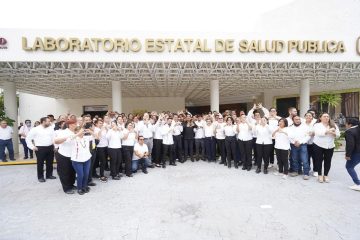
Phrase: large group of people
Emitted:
{"points": [[87, 147]]}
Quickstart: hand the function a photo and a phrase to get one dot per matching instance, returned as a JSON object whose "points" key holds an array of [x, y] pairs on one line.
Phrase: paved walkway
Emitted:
{"points": [[191, 201]]}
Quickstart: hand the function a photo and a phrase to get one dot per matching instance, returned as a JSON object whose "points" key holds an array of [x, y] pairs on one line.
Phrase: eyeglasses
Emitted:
{"points": [[142, 139]]}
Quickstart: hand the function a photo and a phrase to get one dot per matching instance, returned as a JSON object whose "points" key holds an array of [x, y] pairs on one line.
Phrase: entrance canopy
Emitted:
{"points": [[238, 81]]}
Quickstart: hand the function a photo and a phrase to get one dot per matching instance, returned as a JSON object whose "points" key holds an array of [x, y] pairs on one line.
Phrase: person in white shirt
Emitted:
{"points": [[43, 137], [282, 147], [244, 136], [178, 139], [273, 124], [263, 144], [81, 159], [24, 130], [220, 138], [146, 128], [199, 138], [309, 123], [230, 142], [167, 131], [292, 113], [189, 137], [299, 137], [128, 142], [102, 147], [254, 118], [141, 153], [114, 136], [210, 143], [6, 133], [324, 143], [64, 168], [157, 150]]}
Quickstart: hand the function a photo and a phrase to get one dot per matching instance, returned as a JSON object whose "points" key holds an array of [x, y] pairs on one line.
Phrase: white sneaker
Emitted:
{"points": [[355, 187], [285, 177], [270, 165], [277, 173], [315, 174]]}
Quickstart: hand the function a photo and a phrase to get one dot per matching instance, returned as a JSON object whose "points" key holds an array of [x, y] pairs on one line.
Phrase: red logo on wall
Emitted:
{"points": [[3, 43]]}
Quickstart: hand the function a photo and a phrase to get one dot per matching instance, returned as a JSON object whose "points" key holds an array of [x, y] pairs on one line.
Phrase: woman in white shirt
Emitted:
{"points": [[157, 150], [80, 158], [309, 123], [210, 143], [324, 143], [114, 136], [220, 138], [245, 141], [230, 142], [282, 146], [128, 142], [263, 144], [102, 147]]}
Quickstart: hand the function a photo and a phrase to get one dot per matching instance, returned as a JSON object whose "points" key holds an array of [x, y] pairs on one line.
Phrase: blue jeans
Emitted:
{"points": [[9, 145], [145, 162], [82, 173], [350, 165], [300, 155]]}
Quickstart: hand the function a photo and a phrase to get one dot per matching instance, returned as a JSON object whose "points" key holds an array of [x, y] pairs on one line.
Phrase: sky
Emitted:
{"points": [[142, 15]]}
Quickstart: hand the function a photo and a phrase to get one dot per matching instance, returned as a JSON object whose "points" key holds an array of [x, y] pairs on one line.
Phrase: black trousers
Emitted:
{"points": [[101, 155], [128, 152], [115, 160], [323, 155], [221, 146], [282, 157], [245, 151], [157, 150], [92, 165], [45, 154], [189, 148], [272, 152], [178, 147], [254, 148], [230, 146], [167, 150], [263, 154], [310, 148], [65, 171], [200, 144]]}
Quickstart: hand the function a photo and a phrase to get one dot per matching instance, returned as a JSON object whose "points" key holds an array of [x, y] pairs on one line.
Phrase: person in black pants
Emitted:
{"points": [[157, 149], [220, 139], [167, 131], [230, 142], [114, 136], [178, 140], [43, 137], [244, 131], [189, 137], [282, 146], [263, 145], [101, 148], [128, 143]]}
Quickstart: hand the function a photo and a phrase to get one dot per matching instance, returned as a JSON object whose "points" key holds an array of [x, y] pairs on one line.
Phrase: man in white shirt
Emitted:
{"points": [[146, 128], [141, 153], [24, 130], [167, 131], [292, 113], [199, 138], [178, 139], [6, 133], [43, 137], [299, 137]]}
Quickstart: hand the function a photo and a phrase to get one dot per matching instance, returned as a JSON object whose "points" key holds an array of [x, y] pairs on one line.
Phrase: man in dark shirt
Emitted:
{"points": [[352, 155]]}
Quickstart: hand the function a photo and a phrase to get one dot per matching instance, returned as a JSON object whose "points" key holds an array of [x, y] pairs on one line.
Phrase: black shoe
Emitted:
{"points": [[96, 176], [116, 178], [42, 180], [87, 189], [31, 157], [81, 192], [249, 168], [74, 188], [145, 171], [151, 166], [258, 170], [173, 164], [129, 175], [241, 163], [236, 165], [70, 191], [221, 162], [91, 184], [26, 158], [51, 177], [192, 160], [265, 171], [229, 165], [225, 163], [4, 160], [244, 168], [164, 166], [12, 159]]}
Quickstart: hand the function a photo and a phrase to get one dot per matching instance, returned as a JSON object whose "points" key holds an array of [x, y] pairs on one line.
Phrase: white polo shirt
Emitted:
{"points": [[282, 140], [141, 149], [323, 140], [65, 148], [6, 133]]}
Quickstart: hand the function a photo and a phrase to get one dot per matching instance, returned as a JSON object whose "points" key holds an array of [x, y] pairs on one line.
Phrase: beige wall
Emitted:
{"points": [[34, 107]]}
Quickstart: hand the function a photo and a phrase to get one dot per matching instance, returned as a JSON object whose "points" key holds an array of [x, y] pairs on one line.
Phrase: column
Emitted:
{"points": [[11, 110], [214, 95], [116, 96], [304, 96]]}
